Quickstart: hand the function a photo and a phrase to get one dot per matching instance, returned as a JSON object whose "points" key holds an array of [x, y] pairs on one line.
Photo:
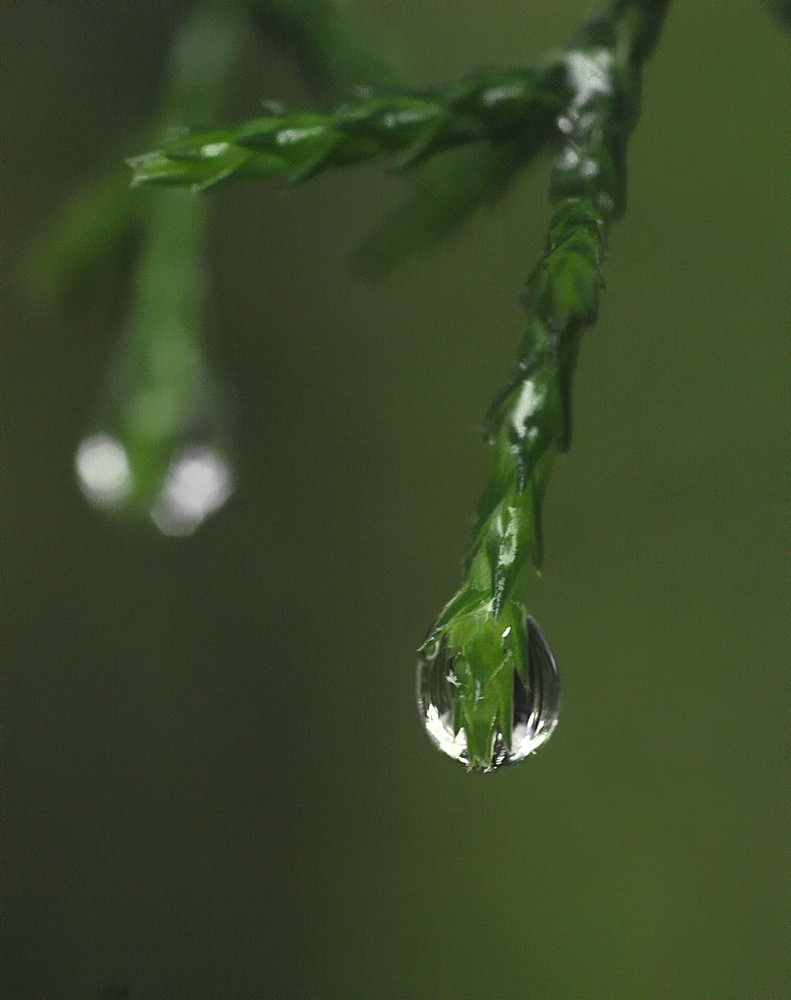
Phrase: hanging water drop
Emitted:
{"points": [[103, 471], [158, 451], [197, 482], [532, 700]]}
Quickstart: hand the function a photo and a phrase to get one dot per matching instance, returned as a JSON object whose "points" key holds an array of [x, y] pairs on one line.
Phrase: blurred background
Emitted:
{"points": [[216, 783]]}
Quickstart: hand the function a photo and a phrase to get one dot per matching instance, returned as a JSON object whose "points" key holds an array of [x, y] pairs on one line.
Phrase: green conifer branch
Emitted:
{"points": [[529, 422], [492, 106], [587, 101]]}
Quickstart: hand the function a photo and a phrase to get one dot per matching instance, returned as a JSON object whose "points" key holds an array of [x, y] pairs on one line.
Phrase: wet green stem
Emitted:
{"points": [[530, 420], [491, 107]]}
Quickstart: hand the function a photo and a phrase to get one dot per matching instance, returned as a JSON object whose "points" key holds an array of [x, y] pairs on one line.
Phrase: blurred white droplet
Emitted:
{"points": [[198, 482], [103, 470]]}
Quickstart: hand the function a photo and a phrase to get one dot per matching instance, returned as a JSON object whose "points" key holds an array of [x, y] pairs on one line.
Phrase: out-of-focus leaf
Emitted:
{"points": [[86, 230], [448, 192], [334, 47]]}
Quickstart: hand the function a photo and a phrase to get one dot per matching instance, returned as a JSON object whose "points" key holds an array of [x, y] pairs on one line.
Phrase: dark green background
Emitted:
{"points": [[215, 781]]}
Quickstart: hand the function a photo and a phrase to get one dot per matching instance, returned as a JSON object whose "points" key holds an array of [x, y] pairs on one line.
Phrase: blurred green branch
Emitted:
{"points": [[334, 47]]}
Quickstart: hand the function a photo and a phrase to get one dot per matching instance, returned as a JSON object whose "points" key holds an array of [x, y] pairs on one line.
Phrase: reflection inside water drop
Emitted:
{"points": [[536, 702]]}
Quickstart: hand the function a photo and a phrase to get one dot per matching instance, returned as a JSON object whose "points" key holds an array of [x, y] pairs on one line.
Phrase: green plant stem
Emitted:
{"points": [[530, 420], [492, 107]]}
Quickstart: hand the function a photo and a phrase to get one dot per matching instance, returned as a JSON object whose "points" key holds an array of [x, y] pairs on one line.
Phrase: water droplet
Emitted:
{"points": [[197, 481], [535, 706], [158, 455], [158, 450], [103, 470], [590, 74]]}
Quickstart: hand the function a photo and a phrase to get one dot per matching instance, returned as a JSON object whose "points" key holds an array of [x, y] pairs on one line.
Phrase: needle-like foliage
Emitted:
{"points": [[492, 106]]}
